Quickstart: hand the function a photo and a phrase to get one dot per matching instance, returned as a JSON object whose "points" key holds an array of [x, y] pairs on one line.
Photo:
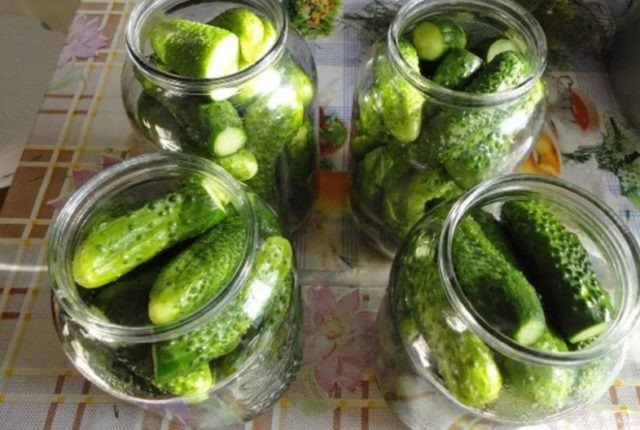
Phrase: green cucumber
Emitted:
{"points": [[560, 269], [499, 45], [540, 386], [465, 364], [499, 292], [457, 68], [505, 71], [194, 49], [434, 37], [117, 245], [195, 382], [249, 28], [196, 275], [222, 126], [242, 165], [224, 331]]}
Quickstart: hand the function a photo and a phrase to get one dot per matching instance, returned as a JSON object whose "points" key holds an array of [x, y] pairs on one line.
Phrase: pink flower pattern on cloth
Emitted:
{"points": [[338, 338], [84, 40]]}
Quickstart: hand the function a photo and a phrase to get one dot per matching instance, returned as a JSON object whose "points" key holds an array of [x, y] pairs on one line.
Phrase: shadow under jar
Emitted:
{"points": [[514, 303], [451, 96], [230, 81], [175, 290]]}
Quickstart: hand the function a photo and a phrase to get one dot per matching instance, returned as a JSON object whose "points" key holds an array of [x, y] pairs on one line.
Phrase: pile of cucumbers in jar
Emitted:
{"points": [[528, 278], [410, 151], [155, 264], [247, 128]]}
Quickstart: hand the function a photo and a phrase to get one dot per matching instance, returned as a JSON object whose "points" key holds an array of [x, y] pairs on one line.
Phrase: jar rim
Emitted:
{"points": [[80, 206], [491, 191], [508, 12], [146, 10]]}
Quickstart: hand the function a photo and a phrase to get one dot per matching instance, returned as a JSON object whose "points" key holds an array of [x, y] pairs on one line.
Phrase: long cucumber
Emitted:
{"points": [[199, 273], [223, 332], [118, 244]]}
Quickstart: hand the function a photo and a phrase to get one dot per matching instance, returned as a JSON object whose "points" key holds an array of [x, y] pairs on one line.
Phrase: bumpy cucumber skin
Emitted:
{"points": [[465, 364], [223, 333], [471, 144], [400, 103], [113, 247], [198, 273], [542, 387], [559, 266], [506, 70], [498, 291], [271, 121], [174, 41], [406, 198], [195, 382], [456, 68]]}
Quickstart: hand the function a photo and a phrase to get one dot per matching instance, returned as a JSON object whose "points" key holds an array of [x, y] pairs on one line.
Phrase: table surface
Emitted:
{"points": [[81, 128]]}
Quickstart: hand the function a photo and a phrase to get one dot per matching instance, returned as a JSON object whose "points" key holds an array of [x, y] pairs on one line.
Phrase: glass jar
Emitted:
{"points": [[207, 334], [418, 138], [434, 337], [259, 122]]}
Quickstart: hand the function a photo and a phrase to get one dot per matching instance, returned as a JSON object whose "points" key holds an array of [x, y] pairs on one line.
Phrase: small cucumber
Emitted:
{"points": [[242, 165], [560, 269], [221, 122], [194, 49], [196, 275], [543, 387], [505, 71], [249, 28], [499, 292], [223, 332], [434, 37], [457, 68], [117, 245]]}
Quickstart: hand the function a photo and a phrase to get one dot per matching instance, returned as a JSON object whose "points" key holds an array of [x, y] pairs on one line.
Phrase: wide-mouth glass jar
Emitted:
{"points": [[460, 318], [452, 95], [230, 81], [175, 289]]}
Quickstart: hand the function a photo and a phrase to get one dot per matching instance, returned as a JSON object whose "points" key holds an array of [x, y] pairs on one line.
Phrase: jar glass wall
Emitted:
{"points": [[425, 128], [204, 326], [254, 115], [436, 333]]}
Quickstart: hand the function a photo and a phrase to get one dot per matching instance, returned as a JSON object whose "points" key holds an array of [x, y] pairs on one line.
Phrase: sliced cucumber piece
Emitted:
{"points": [[194, 49], [249, 28], [434, 37]]}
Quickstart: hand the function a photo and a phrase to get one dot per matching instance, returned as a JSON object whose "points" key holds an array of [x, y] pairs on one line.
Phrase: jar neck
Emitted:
{"points": [[507, 15], [591, 219], [149, 11], [89, 200]]}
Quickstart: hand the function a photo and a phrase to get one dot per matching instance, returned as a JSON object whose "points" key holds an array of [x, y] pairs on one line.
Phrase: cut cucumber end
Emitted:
{"points": [[223, 58], [228, 141], [588, 333], [498, 46], [428, 41], [530, 332]]}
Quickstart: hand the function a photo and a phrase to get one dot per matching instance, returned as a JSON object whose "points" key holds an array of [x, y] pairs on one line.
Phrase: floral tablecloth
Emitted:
{"points": [[82, 128]]}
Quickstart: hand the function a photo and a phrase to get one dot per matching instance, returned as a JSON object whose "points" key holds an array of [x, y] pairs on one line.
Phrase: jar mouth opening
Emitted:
{"points": [[150, 10], [84, 205], [620, 245], [510, 14]]}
